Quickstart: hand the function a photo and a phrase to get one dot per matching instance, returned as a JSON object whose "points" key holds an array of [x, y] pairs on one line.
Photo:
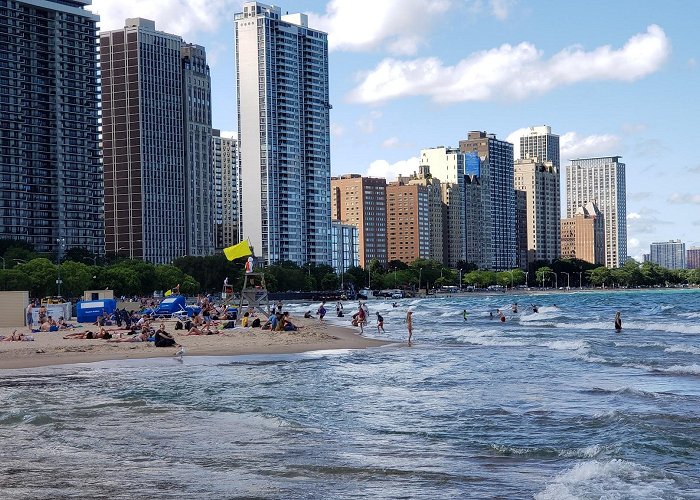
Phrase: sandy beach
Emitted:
{"points": [[50, 348]]}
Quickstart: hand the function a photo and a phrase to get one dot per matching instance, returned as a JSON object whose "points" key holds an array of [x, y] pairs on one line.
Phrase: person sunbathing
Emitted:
{"points": [[142, 337], [15, 337]]}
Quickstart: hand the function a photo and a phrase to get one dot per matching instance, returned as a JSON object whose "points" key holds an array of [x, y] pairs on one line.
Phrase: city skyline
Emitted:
{"points": [[643, 95]]}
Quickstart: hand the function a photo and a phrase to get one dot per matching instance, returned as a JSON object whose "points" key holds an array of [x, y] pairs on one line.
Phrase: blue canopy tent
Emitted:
{"points": [[87, 311], [170, 305]]}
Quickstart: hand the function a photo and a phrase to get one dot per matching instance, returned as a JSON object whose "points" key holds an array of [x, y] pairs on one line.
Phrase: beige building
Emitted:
{"points": [[436, 231], [583, 235], [361, 201], [540, 182], [408, 222]]}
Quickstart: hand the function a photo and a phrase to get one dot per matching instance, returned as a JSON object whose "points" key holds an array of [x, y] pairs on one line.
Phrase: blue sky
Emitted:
{"points": [[611, 78]]}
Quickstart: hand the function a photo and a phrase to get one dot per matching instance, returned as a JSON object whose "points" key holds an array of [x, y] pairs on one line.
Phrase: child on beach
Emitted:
{"points": [[380, 323]]}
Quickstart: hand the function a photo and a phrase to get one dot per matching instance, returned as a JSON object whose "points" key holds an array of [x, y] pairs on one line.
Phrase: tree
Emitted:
{"points": [[599, 276], [121, 279], [76, 277], [481, 279], [167, 277], [42, 276], [14, 280], [542, 274], [80, 254]]}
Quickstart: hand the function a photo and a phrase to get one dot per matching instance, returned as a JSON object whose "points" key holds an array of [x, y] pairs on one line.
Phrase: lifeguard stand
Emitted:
{"points": [[254, 294]]}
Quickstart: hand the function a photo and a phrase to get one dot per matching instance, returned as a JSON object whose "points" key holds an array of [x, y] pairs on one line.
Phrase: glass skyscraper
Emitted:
{"points": [[284, 135], [51, 187]]}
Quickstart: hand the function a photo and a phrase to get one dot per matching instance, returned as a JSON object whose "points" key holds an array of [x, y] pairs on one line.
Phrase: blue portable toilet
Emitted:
{"points": [[87, 311], [171, 305]]}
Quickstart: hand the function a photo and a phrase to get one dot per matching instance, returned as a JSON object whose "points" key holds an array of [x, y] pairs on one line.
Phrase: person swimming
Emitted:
{"points": [[618, 322], [535, 308]]}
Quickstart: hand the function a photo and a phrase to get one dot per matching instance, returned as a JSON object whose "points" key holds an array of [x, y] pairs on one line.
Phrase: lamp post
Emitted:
{"points": [[526, 274], [580, 283], [556, 280], [460, 280], [567, 279], [3, 262], [420, 277], [61, 243], [511, 280]]}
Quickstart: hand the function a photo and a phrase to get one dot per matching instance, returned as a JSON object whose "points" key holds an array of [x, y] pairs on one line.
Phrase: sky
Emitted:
{"points": [[610, 78]]}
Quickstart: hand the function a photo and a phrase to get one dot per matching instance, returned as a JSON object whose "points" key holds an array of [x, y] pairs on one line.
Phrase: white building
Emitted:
{"points": [[669, 254], [284, 135], [540, 182], [225, 167], [540, 143], [601, 181]]}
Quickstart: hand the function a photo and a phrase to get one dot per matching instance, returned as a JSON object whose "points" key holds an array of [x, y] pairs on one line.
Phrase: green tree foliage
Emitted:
{"points": [[42, 277], [14, 280], [357, 277], [80, 254], [599, 276], [168, 277], [76, 277], [481, 278], [121, 279], [544, 275]]}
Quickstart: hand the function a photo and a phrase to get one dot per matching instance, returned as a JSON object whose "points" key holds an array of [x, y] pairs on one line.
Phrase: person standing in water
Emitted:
{"points": [[618, 322], [464, 315], [409, 325]]}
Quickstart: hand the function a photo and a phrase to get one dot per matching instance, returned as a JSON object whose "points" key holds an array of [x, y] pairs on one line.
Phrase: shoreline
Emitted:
{"points": [[51, 349]]}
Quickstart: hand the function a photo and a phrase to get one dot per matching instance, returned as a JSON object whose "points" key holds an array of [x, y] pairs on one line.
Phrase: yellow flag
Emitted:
{"points": [[168, 293], [239, 250]]}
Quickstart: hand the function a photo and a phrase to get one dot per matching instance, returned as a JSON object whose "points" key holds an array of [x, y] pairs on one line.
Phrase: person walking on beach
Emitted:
{"points": [[409, 325], [29, 315], [618, 322], [380, 323], [321, 310]]}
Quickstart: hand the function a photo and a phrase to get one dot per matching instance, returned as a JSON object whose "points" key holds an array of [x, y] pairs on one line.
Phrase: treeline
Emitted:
{"points": [[24, 269]]}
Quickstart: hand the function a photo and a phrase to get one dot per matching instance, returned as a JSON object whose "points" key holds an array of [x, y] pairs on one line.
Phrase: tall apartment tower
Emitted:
{"points": [[583, 235], [497, 158], [284, 134], [361, 201], [447, 165], [156, 131], [436, 212], [540, 143], [52, 187], [224, 157], [668, 254], [345, 244], [601, 181], [692, 259], [540, 182], [408, 222], [477, 212]]}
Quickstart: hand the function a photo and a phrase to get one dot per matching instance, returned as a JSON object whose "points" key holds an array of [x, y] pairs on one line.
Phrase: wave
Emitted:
{"points": [[679, 370], [626, 391], [547, 452], [566, 345], [683, 348], [633, 325], [693, 315], [612, 479]]}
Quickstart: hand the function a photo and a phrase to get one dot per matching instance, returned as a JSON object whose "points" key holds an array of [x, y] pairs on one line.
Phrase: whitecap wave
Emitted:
{"points": [[680, 370], [612, 479], [566, 345], [683, 348]]}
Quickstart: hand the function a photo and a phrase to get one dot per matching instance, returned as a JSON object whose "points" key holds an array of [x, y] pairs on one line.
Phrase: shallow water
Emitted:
{"points": [[547, 405]]}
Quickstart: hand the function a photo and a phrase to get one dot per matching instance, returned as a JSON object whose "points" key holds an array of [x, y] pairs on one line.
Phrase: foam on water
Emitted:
{"points": [[683, 348]]}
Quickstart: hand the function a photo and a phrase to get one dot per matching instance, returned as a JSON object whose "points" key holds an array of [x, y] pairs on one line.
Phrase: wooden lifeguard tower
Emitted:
{"points": [[254, 294]]}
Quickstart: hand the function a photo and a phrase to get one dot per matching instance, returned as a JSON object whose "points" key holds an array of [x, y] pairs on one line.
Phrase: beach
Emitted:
{"points": [[50, 348]]}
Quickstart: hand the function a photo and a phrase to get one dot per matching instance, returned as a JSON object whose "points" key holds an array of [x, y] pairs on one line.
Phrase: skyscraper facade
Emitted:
{"points": [[601, 181], [361, 201], [540, 143], [156, 128], [284, 135], [497, 157], [447, 165], [477, 212], [436, 227], [345, 244], [408, 222], [668, 254], [224, 156], [583, 235], [52, 186], [540, 181], [692, 259]]}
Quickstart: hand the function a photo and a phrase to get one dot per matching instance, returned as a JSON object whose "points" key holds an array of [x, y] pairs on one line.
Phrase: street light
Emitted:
{"points": [[580, 283], [61, 244], [3, 262], [526, 273], [511, 279], [567, 279], [420, 277]]}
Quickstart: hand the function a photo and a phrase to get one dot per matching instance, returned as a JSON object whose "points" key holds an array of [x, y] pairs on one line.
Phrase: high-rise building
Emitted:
{"points": [[601, 181], [408, 222], [447, 166], [583, 235], [436, 228], [224, 156], [692, 259], [668, 254], [284, 135], [521, 227], [477, 212], [51, 194], [497, 163], [361, 201], [540, 182], [345, 244], [156, 131], [540, 143]]}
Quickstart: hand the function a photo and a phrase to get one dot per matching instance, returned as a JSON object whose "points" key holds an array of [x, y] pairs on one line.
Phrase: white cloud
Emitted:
{"points": [[180, 17], [391, 171], [644, 221], [395, 143], [511, 72], [501, 8], [572, 145], [367, 123], [337, 130], [360, 25], [514, 139], [684, 199]]}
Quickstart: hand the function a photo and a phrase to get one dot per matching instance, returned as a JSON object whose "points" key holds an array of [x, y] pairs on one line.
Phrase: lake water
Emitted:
{"points": [[553, 404]]}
